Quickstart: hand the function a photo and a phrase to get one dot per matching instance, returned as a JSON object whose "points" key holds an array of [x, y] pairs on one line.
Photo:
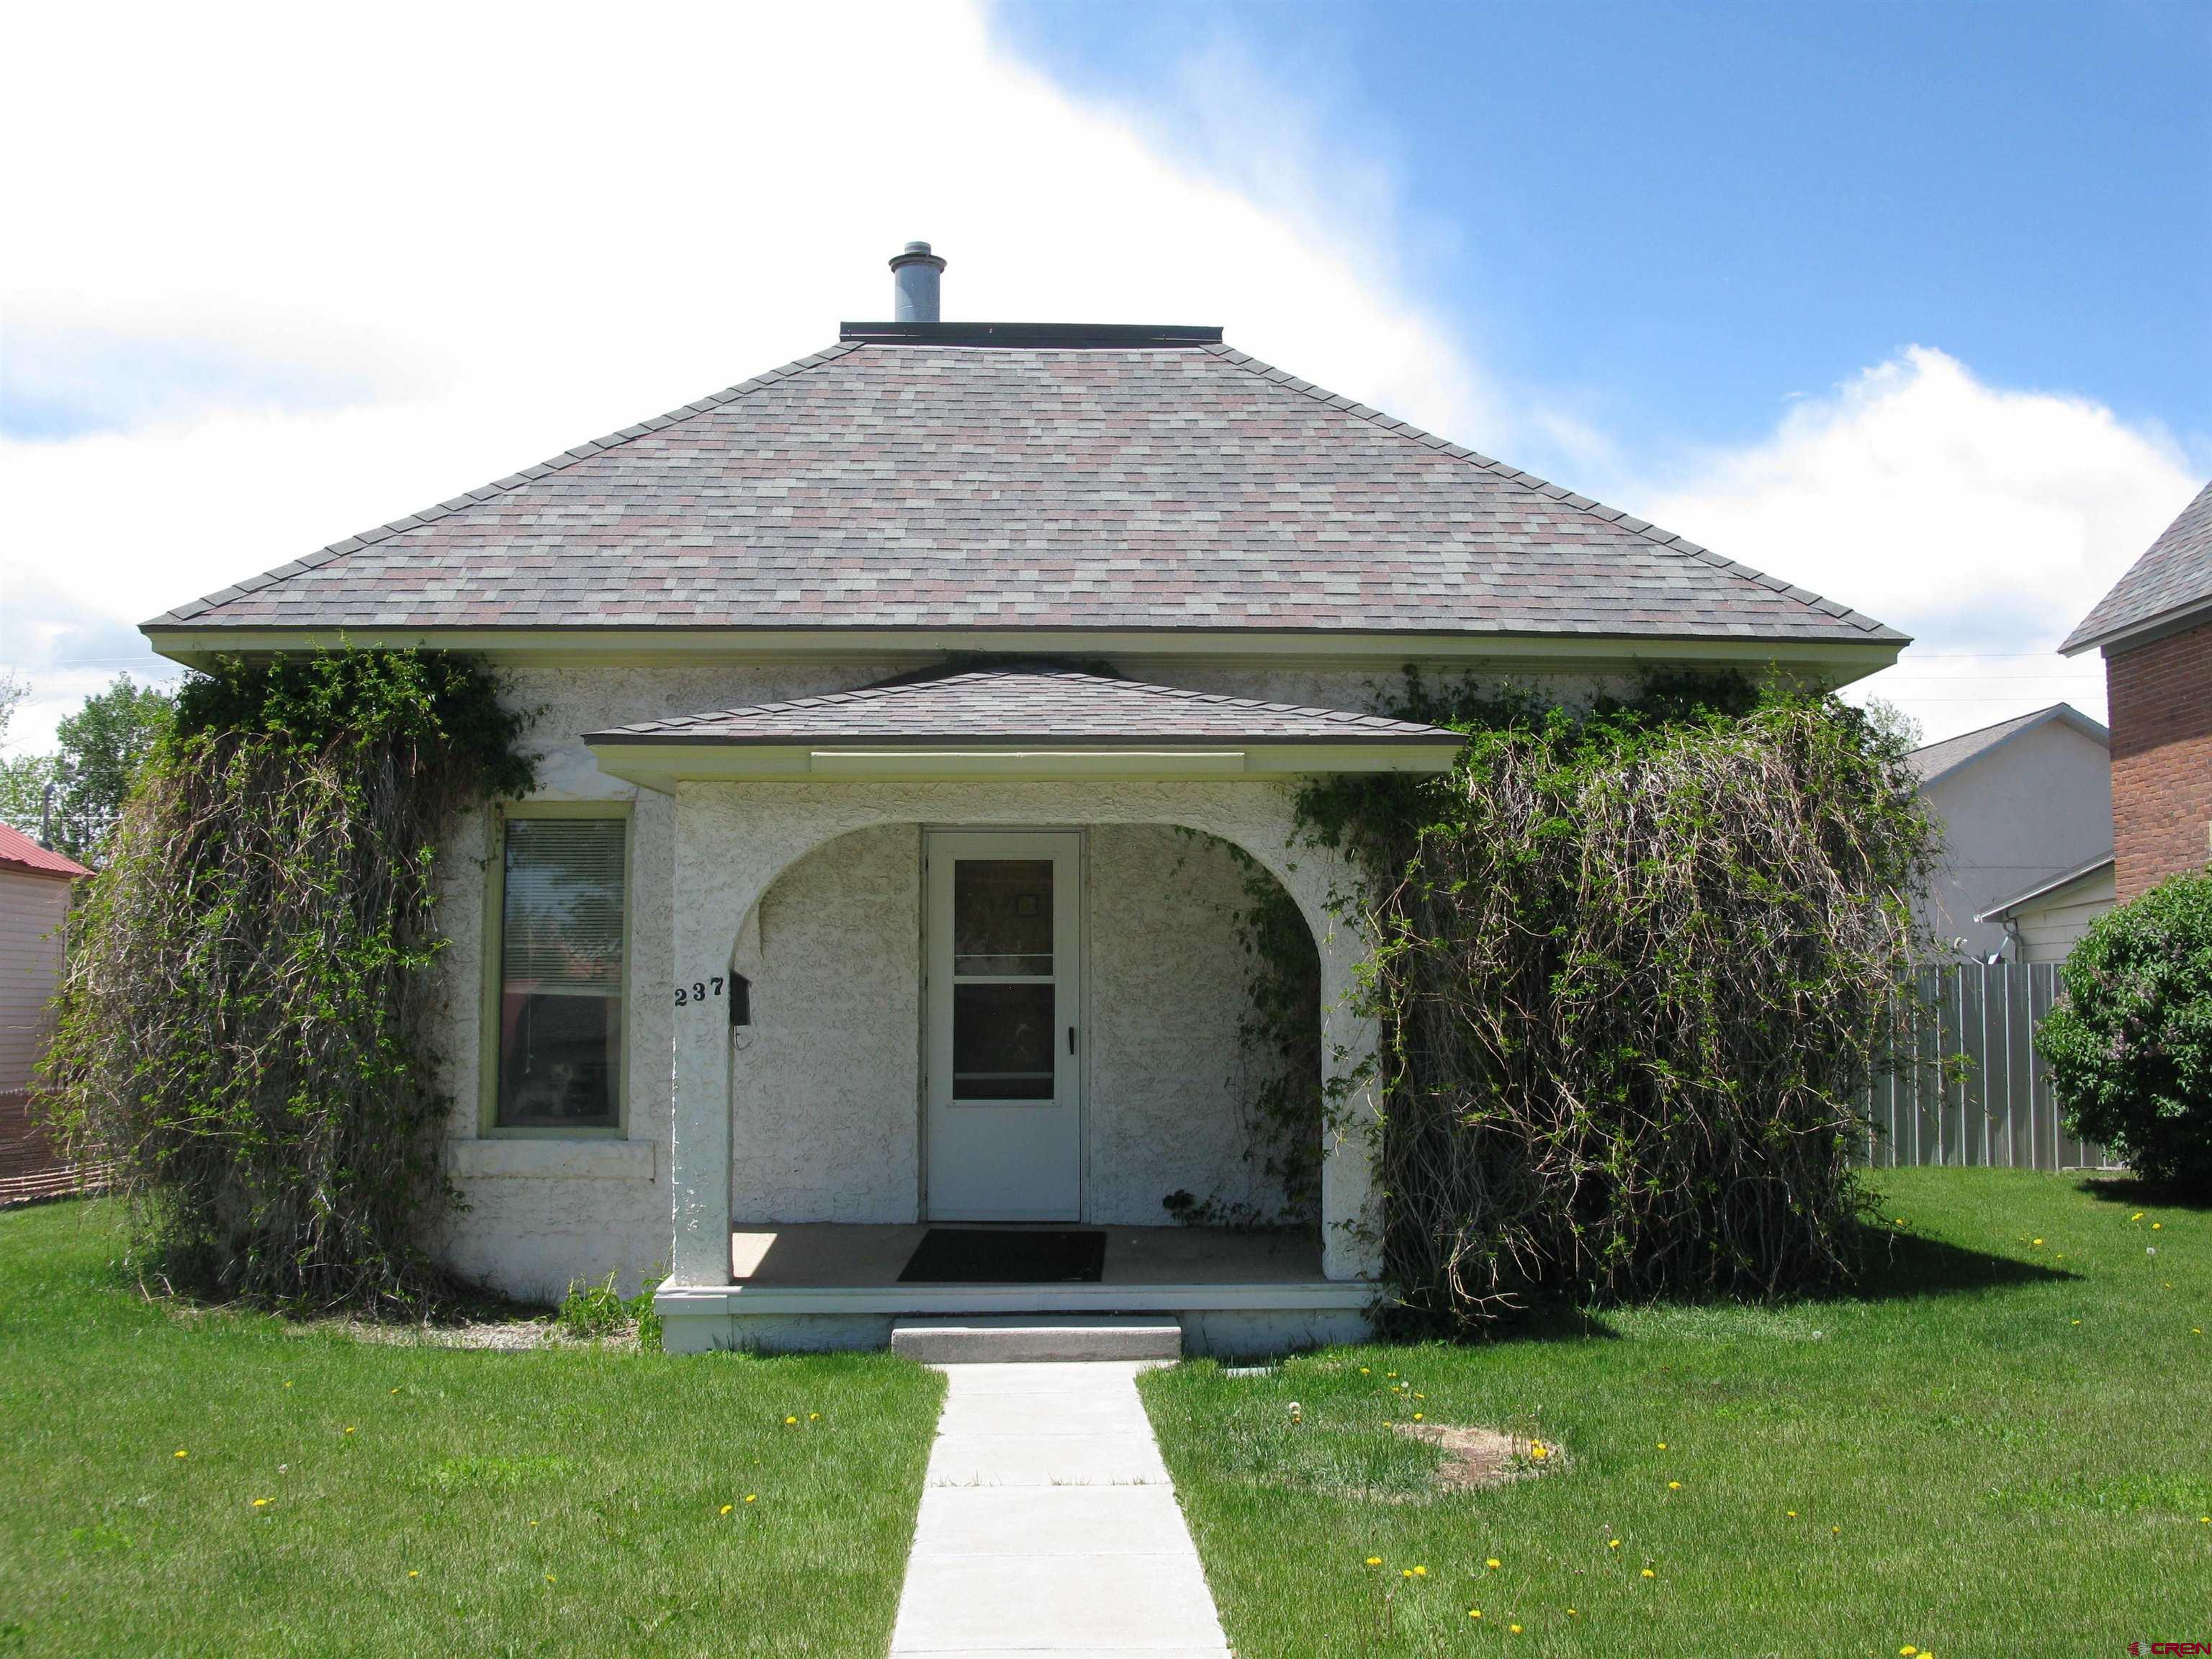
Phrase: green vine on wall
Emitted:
{"points": [[1629, 959], [243, 1031]]}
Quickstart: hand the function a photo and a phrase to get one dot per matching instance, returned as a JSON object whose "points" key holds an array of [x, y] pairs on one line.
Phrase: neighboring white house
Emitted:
{"points": [[35, 886], [910, 925], [2023, 803], [2045, 922]]}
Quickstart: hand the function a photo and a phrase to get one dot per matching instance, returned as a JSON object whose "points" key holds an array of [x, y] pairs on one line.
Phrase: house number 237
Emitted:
{"points": [[699, 990]]}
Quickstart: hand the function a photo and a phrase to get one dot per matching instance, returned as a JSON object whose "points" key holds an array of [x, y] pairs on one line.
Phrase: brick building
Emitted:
{"points": [[2155, 630]]}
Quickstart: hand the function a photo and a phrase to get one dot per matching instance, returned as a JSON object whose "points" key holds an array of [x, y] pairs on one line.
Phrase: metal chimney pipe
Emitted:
{"points": [[915, 271]]}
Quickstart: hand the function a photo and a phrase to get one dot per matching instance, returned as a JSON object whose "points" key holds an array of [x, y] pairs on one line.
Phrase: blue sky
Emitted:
{"points": [[1679, 216], [1909, 304]]}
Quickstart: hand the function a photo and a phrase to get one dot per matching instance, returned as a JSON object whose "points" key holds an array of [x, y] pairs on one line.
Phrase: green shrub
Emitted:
{"points": [[1630, 959], [243, 1029], [2130, 1045]]}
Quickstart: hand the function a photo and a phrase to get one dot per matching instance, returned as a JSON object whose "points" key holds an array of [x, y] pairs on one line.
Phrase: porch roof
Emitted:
{"points": [[1029, 719]]}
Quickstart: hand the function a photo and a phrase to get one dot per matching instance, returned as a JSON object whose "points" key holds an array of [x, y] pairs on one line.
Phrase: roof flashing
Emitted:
{"points": [[1059, 336]]}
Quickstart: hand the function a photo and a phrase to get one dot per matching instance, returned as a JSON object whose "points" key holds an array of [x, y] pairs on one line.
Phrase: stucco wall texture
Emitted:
{"points": [[824, 1109]]}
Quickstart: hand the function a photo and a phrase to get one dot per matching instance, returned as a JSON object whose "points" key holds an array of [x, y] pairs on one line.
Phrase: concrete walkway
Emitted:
{"points": [[1048, 1524]]}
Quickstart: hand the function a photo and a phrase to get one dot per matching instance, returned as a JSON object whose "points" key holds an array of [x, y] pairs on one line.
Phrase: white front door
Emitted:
{"points": [[1005, 991]]}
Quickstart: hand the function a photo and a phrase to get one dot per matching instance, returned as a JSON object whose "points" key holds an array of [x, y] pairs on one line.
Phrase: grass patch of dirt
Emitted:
{"points": [[1474, 1458]]}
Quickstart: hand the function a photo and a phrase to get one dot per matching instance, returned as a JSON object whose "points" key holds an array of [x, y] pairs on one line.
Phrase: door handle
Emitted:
{"points": [[1071, 1039]]}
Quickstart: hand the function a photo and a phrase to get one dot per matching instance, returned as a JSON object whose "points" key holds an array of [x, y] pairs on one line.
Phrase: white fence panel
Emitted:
{"points": [[1964, 1084]]}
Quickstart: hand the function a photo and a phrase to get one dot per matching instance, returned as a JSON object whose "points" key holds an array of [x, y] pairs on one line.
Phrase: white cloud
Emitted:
{"points": [[1981, 520], [316, 267], [501, 231]]}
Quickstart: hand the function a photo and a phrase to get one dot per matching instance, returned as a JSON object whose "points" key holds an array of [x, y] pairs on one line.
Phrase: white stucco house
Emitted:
{"points": [[904, 712], [2023, 803]]}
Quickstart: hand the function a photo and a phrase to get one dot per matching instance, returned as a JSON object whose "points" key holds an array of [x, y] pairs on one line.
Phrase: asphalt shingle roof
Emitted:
{"points": [[1934, 760], [1182, 485], [2173, 574], [1025, 705]]}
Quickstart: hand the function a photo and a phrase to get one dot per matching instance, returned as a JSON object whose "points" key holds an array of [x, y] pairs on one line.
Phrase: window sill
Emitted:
{"points": [[547, 1159]]}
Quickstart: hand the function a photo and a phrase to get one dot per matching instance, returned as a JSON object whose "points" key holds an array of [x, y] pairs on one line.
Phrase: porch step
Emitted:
{"points": [[1061, 1336]]}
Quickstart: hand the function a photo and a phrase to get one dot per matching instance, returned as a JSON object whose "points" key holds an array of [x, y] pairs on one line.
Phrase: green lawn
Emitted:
{"points": [[424, 1500], [2003, 1447]]}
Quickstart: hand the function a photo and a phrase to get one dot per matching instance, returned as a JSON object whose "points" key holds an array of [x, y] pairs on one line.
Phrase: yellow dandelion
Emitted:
{"points": [[2204, 1520], [1613, 1543], [1835, 1532], [2077, 1321], [1539, 1451], [1900, 1220], [2137, 1216], [2035, 1241], [549, 1579], [1363, 1371], [1792, 1514], [1387, 1424], [1405, 1572], [1420, 1572], [395, 1391], [181, 1452], [1474, 1613], [2158, 1226], [1374, 1560], [750, 1496], [1648, 1573], [1493, 1564], [1420, 1396], [1516, 1628], [414, 1573], [1673, 1486], [1571, 1613], [727, 1508], [533, 1523], [1417, 1416], [790, 1422], [1390, 1373], [288, 1384], [1907, 1651], [260, 1503], [814, 1417], [348, 1428]]}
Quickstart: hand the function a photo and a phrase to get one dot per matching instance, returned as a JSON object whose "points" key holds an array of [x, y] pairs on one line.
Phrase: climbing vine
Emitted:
{"points": [[243, 1029], [1628, 959]]}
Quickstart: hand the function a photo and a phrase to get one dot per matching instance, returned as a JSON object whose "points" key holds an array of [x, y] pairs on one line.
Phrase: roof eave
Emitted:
{"points": [[2179, 619], [1835, 661], [2003, 910]]}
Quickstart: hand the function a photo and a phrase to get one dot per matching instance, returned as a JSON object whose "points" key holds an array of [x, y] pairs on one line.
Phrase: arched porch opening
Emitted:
{"points": [[773, 875]]}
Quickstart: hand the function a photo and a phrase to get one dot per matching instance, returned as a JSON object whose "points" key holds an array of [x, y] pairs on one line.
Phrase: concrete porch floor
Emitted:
{"points": [[830, 1255], [821, 1285]]}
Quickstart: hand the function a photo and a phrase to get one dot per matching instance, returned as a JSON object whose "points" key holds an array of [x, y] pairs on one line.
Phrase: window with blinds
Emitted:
{"points": [[562, 929]]}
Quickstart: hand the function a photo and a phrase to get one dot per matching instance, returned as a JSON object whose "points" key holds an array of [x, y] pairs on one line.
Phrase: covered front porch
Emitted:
{"points": [[977, 972]]}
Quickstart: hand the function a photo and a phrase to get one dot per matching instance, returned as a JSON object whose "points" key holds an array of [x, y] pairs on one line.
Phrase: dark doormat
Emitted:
{"points": [[1005, 1256]]}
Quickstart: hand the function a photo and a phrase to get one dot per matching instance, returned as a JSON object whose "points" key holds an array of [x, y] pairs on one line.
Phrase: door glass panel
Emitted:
{"points": [[1002, 918], [1002, 1042]]}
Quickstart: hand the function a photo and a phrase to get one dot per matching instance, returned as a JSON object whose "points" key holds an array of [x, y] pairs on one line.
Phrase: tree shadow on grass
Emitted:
{"points": [[2139, 1193], [1905, 1267]]}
